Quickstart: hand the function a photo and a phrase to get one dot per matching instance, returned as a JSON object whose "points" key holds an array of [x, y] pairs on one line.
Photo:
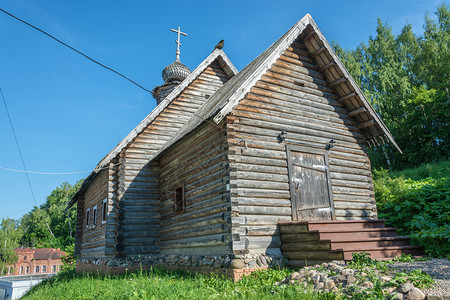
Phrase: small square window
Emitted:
{"points": [[180, 201], [104, 210], [94, 214], [44, 269], [37, 269]]}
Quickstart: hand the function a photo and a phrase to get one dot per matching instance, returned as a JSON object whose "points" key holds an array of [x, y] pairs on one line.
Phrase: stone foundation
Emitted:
{"points": [[230, 266]]}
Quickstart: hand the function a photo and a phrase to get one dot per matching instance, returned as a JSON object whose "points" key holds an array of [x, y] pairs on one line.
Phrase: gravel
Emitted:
{"points": [[439, 269]]}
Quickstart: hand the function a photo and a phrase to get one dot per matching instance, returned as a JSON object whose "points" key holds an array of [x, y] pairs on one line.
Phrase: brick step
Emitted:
{"points": [[348, 225], [385, 253], [371, 243], [338, 235]]}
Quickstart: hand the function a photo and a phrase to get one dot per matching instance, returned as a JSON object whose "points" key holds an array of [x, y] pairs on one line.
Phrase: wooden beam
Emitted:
{"points": [[318, 51], [309, 35], [337, 82], [327, 66], [357, 111], [366, 124], [347, 97]]}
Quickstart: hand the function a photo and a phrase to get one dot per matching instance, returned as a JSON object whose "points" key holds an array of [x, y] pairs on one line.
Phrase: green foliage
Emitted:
{"points": [[10, 236], [419, 278], [52, 212], [406, 78], [419, 208]]}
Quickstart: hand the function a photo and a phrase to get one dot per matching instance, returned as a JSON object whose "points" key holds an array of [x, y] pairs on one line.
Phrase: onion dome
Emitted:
{"points": [[176, 71]]}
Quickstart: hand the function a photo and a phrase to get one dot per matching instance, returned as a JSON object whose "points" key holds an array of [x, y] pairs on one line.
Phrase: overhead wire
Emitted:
{"points": [[21, 157], [77, 51]]}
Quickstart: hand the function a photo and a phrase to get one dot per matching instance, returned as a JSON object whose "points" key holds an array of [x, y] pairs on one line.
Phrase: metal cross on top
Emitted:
{"points": [[178, 41]]}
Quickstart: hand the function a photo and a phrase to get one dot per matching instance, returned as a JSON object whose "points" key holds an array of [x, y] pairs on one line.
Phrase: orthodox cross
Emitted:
{"points": [[178, 40]]}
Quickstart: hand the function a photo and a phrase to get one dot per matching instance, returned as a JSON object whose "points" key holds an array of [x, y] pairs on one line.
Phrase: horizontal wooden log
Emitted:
{"points": [[357, 111]]}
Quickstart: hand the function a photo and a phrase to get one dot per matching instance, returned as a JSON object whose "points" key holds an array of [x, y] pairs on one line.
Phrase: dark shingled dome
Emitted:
{"points": [[176, 71]]}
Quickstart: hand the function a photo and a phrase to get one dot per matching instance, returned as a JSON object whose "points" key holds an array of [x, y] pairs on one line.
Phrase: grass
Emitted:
{"points": [[161, 284], [434, 170]]}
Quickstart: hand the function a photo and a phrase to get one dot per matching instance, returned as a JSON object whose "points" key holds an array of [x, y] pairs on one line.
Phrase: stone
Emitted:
{"points": [[384, 279], [263, 260], [247, 260], [217, 263], [367, 284], [396, 296], [312, 273], [415, 294], [258, 262], [252, 263], [226, 262], [350, 279], [237, 264], [389, 290], [338, 278], [294, 275], [406, 287], [329, 285], [319, 286], [434, 297], [112, 263], [316, 279]]}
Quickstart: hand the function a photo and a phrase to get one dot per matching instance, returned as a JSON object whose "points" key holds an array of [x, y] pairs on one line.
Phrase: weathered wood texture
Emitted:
{"points": [[91, 241], [198, 163], [139, 186], [293, 95]]}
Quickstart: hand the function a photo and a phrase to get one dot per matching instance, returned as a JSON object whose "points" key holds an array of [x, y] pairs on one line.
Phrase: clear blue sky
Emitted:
{"points": [[69, 113]]}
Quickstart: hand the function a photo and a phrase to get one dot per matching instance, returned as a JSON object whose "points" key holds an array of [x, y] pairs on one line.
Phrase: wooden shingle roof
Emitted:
{"points": [[227, 97]]}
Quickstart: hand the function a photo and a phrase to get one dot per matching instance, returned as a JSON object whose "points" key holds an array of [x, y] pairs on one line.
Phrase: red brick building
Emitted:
{"points": [[36, 261]]}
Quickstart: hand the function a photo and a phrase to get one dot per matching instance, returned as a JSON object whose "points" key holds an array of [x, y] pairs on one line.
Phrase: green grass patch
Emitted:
{"points": [[160, 284]]}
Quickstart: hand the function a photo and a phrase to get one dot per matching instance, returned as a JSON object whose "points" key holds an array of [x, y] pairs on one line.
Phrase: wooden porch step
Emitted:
{"points": [[358, 234], [370, 243], [385, 253], [349, 225], [329, 240]]}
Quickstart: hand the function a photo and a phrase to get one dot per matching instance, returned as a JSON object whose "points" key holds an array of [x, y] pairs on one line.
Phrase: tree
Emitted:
{"points": [[406, 79], [10, 236]]}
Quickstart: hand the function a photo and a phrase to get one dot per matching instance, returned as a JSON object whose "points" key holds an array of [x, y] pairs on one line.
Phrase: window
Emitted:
{"points": [[180, 202], [27, 270], [44, 269], [10, 270], [21, 270], [94, 214], [88, 216], [25, 257], [37, 269], [104, 210], [54, 268]]}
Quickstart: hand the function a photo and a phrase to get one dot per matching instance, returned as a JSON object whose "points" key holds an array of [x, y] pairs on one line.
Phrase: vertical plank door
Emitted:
{"points": [[310, 186]]}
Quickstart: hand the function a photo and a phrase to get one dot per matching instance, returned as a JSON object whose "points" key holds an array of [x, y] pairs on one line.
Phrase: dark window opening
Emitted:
{"points": [[104, 211], [180, 202], [88, 215]]}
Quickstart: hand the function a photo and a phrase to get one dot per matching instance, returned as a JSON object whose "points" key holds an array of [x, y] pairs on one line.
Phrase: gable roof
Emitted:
{"points": [[216, 55], [228, 96]]}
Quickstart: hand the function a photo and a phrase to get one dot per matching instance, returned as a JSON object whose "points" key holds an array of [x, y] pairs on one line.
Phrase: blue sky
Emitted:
{"points": [[69, 113]]}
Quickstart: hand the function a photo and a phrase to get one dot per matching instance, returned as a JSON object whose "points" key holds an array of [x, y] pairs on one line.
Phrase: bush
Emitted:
{"points": [[419, 208]]}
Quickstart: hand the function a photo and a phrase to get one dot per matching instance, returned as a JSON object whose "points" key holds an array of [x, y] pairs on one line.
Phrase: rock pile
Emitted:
{"points": [[337, 277]]}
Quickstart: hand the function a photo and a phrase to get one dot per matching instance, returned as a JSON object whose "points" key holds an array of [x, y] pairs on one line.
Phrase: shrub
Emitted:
{"points": [[419, 208]]}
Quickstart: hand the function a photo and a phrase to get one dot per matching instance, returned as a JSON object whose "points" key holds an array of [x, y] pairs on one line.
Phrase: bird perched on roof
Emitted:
{"points": [[220, 45]]}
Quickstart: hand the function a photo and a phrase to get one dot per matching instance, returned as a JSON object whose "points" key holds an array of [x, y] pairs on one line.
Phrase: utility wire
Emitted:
{"points": [[51, 173], [20, 154], [70, 47], [18, 147]]}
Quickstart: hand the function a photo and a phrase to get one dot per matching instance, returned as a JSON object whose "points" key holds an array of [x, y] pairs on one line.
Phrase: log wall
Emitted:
{"points": [[91, 240], [198, 163], [294, 96], [137, 230]]}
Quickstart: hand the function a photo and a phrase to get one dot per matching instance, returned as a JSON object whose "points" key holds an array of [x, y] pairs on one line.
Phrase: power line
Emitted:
{"points": [[51, 173], [79, 52], [18, 147]]}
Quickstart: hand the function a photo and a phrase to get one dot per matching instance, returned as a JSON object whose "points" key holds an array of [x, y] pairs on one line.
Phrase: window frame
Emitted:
{"points": [[21, 269], [104, 210], [54, 269], [88, 217], [94, 216], [44, 269], [179, 209], [37, 269]]}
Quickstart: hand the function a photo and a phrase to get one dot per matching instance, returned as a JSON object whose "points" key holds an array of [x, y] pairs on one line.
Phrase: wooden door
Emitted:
{"points": [[310, 185]]}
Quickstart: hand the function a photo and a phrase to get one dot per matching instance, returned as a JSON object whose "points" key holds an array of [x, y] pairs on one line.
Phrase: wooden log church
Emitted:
{"points": [[236, 170]]}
